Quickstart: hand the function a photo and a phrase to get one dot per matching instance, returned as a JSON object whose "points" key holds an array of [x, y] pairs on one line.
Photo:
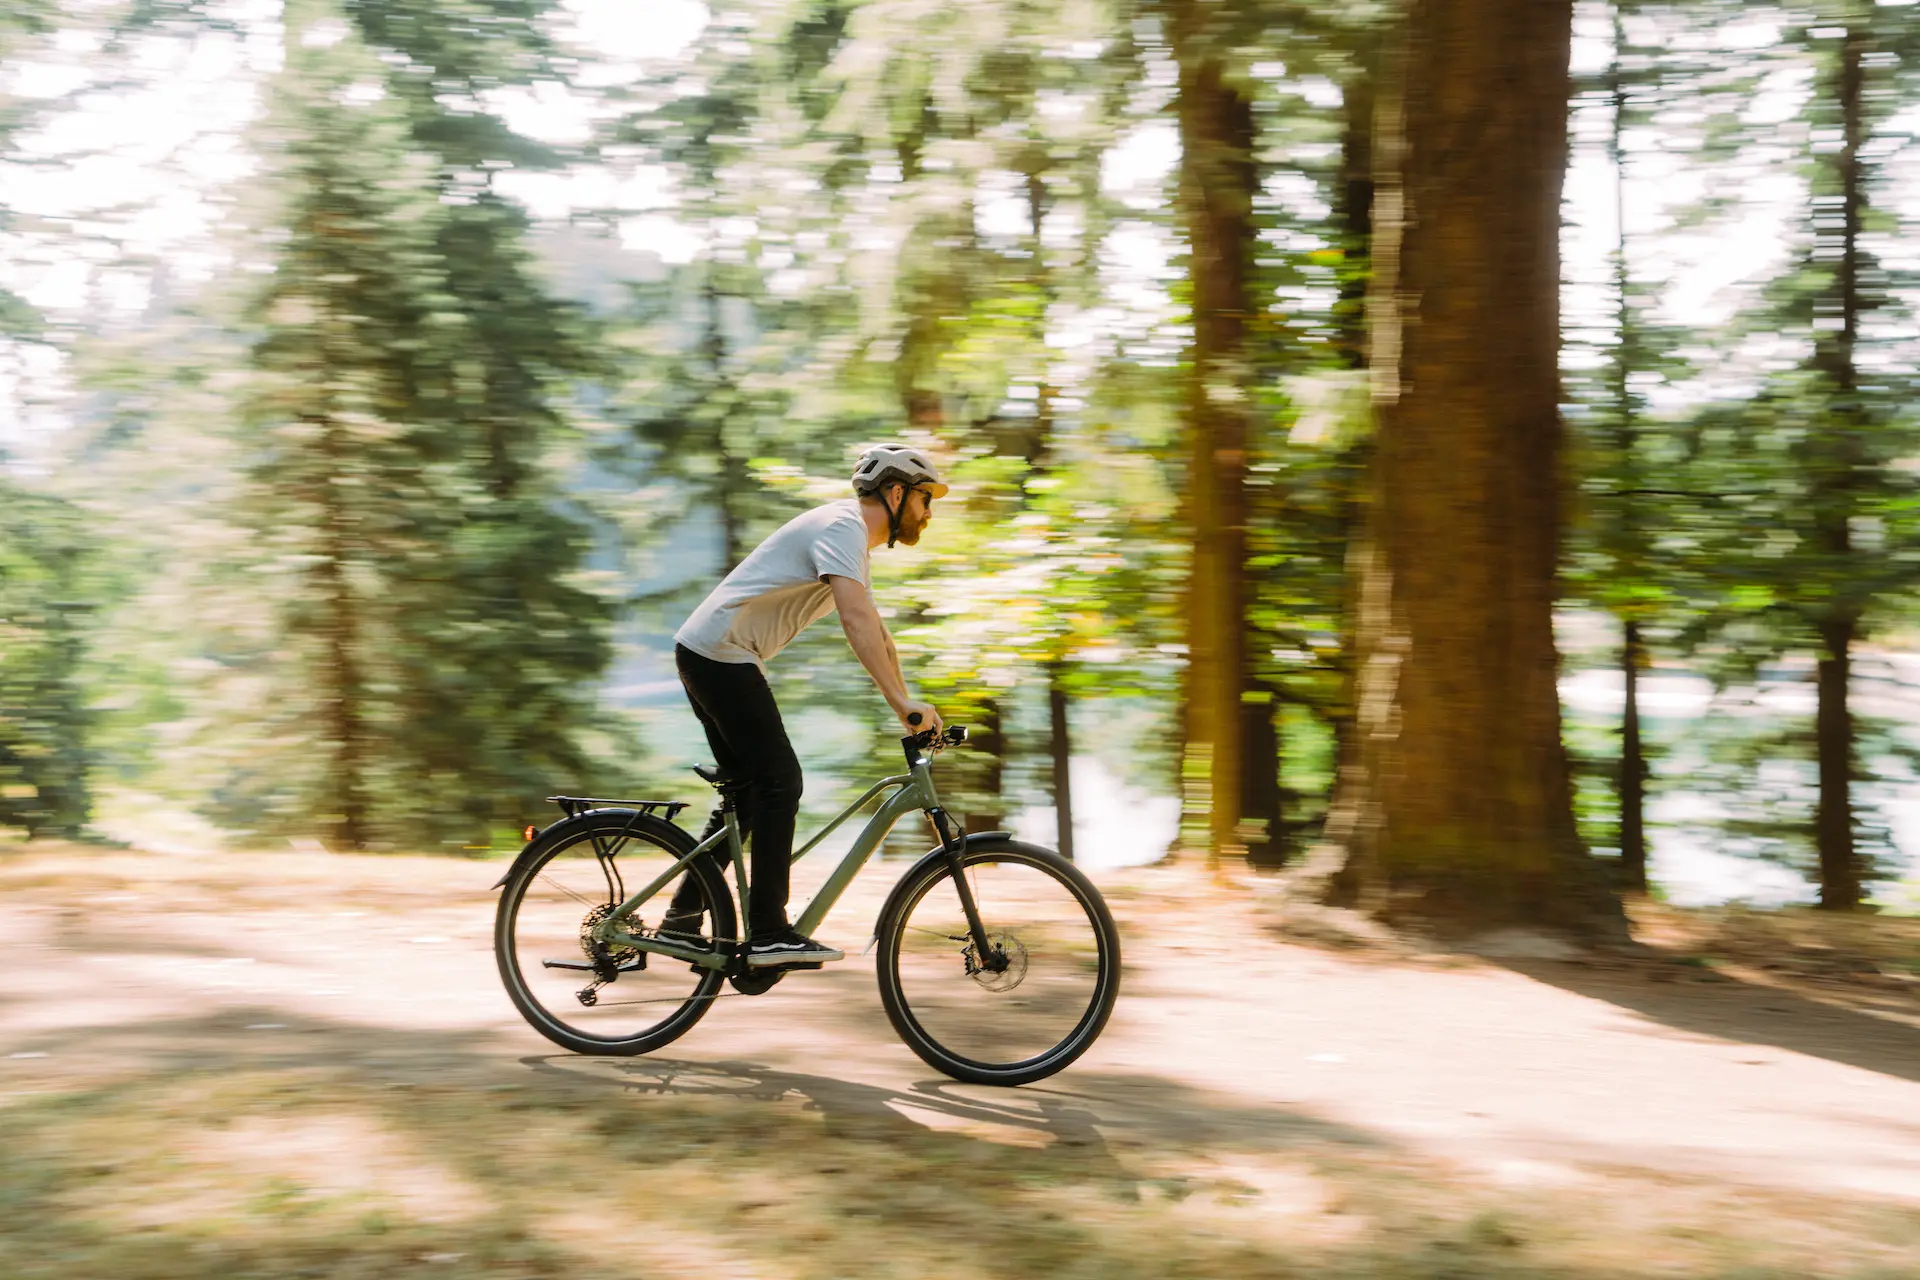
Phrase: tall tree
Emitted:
{"points": [[1809, 546], [1456, 806], [343, 468], [499, 685], [1217, 183], [1633, 766], [429, 656], [1838, 457]]}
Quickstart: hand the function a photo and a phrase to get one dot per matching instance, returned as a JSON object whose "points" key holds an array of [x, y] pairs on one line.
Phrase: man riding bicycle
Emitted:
{"points": [[812, 565]]}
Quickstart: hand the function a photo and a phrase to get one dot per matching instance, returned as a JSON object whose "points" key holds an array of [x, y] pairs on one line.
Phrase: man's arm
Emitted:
{"points": [[874, 647]]}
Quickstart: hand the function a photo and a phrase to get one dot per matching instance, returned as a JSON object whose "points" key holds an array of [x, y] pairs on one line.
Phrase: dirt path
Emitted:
{"points": [[1543, 1082]]}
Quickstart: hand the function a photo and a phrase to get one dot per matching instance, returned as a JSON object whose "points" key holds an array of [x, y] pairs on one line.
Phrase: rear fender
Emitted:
{"points": [[567, 828]]}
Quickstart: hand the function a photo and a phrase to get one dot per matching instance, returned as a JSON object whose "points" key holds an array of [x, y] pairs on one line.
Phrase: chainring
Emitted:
{"points": [[756, 982]]}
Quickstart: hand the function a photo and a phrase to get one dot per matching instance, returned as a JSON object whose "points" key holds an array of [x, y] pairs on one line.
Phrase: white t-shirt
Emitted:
{"points": [[772, 595]]}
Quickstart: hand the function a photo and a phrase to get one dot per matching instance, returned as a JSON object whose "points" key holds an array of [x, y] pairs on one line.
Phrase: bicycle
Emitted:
{"points": [[998, 961]]}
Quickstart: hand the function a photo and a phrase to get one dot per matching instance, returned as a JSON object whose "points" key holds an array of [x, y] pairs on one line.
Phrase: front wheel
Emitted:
{"points": [[1028, 1004]]}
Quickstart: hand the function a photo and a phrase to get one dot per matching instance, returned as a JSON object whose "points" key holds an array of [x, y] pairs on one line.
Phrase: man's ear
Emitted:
{"points": [[896, 493]]}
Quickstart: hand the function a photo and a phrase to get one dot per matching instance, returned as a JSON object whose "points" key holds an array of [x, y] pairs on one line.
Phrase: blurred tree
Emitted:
{"points": [[1456, 806], [943, 123], [1613, 557], [504, 639], [21, 26], [43, 716], [428, 654], [1629, 545], [718, 350], [1275, 330], [1310, 426], [1672, 94], [1218, 181], [1812, 539], [980, 307]]}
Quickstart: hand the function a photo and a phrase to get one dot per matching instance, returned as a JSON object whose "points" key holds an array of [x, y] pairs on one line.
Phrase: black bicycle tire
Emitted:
{"points": [[893, 923], [609, 822]]}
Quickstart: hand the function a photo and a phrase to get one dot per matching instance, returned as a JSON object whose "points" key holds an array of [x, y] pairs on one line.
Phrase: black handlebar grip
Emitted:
{"points": [[913, 721]]}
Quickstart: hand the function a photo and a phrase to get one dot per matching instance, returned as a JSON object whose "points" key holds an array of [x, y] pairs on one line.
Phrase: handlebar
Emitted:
{"points": [[931, 740]]}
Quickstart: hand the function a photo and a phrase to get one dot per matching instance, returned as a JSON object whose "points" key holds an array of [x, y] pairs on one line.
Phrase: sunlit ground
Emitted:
{"points": [[302, 1065]]}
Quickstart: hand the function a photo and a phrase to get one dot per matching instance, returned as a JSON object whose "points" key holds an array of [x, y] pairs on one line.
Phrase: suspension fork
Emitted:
{"points": [[953, 845]]}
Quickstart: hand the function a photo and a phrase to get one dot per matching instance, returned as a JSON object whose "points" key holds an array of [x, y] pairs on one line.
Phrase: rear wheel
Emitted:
{"points": [[586, 995], [1039, 994]]}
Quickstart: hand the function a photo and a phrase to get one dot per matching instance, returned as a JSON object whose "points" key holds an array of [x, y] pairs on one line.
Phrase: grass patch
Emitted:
{"points": [[598, 1170]]}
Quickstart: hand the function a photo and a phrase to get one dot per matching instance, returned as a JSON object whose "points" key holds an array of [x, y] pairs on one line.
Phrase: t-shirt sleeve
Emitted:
{"points": [[841, 550]]}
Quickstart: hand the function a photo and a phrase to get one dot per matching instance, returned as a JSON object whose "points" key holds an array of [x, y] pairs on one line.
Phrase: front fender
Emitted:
{"points": [[977, 837]]}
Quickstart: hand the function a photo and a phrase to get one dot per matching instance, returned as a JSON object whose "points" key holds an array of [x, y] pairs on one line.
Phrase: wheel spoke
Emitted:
{"points": [[581, 898]]}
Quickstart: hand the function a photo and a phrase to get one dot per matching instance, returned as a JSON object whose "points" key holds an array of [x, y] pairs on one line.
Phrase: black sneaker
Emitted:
{"points": [[788, 947]]}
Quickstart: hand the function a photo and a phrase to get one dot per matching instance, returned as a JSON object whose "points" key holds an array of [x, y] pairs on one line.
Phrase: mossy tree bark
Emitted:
{"points": [[1455, 807]]}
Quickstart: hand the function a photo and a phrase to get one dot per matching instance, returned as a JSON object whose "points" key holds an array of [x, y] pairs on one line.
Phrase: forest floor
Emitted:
{"points": [[303, 1065]]}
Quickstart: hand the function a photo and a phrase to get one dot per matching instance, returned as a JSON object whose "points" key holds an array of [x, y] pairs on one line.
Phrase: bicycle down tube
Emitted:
{"points": [[915, 794]]}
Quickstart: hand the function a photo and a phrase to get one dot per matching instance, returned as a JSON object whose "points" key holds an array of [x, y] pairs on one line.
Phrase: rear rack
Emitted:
{"points": [[573, 806]]}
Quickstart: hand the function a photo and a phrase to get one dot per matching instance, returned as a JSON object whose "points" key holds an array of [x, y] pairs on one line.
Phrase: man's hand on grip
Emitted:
{"points": [[918, 717]]}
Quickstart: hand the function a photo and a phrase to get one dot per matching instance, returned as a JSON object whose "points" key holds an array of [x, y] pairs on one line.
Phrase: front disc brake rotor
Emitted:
{"points": [[1003, 976]]}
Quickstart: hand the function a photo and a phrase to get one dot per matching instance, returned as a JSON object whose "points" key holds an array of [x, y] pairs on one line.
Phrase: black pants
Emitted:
{"points": [[749, 744]]}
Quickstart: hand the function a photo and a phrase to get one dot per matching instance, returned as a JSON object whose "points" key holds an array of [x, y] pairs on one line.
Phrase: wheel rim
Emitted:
{"points": [[563, 894], [1043, 991]]}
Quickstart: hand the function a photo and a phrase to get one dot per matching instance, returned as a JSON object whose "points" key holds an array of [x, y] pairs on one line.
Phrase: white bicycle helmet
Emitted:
{"points": [[887, 464]]}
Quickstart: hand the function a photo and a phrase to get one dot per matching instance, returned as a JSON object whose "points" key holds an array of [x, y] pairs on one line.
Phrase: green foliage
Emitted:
{"points": [[43, 622], [384, 487], [341, 485]]}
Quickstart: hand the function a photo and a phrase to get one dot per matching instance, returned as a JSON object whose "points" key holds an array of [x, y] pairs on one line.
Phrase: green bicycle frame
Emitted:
{"points": [[915, 794]]}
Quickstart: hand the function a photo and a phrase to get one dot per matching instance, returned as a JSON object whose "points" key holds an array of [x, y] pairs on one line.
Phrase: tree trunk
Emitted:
{"points": [[1355, 210], [1217, 181], [1633, 768], [1631, 786], [1837, 462], [733, 469], [1457, 809], [1356, 227], [341, 680], [1840, 872], [982, 768], [1061, 738], [1263, 806]]}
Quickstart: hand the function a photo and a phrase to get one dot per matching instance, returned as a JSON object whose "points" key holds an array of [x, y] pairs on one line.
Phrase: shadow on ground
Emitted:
{"points": [[257, 1142], [1728, 1008]]}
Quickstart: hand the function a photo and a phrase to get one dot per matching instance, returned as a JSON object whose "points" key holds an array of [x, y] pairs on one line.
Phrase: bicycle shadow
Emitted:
{"points": [[851, 1109]]}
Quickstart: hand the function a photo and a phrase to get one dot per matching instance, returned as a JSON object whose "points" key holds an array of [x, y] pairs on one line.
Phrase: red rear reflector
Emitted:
{"points": [[531, 831]]}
